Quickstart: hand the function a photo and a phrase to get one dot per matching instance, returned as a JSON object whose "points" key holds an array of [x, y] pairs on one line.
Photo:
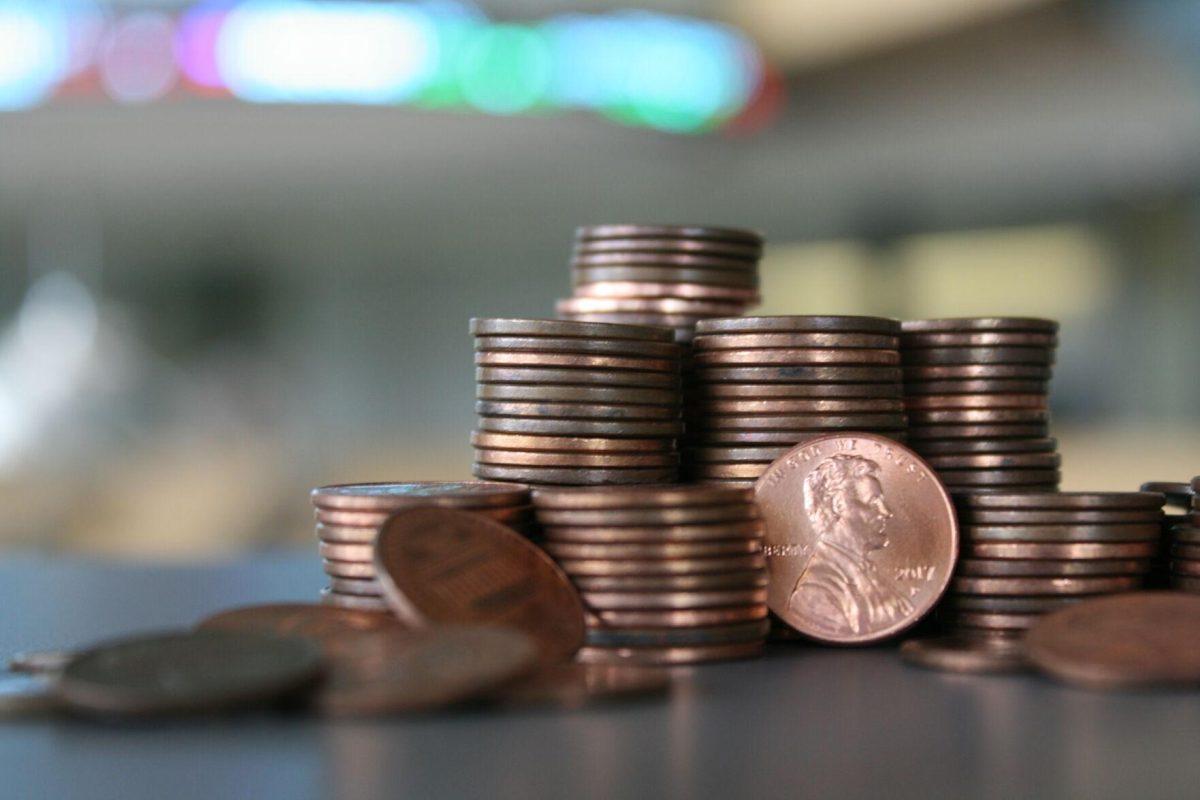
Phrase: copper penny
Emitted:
{"points": [[678, 321], [861, 538], [984, 324], [347, 552], [948, 447], [1009, 605], [373, 519], [626, 498], [966, 654], [915, 340], [1088, 501], [357, 570], [652, 305], [361, 587], [527, 393], [346, 534], [644, 601], [699, 532], [972, 416], [572, 368], [680, 260], [749, 341], [615, 347], [440, 567], [574, 476], [518, 458], [1189, 569], [954, 478], [647, 515], [40, 662], [975, 533], [801, 324], [802, 422], [996, 461], [939, 356], [704, 232], [972, 619], [583, 410], [735, 437], [571, 686], [804, 406], [1135, 640], [554, 328], [947, 372], [375, 605], [809, 391], [919, 433], [684, 290], [1044, 586], [1074, 551], [796, 356], [1186, 552], [798, 374], [748, 470], [621, 550], [976, 401], [981, 386], [1180, 494], [179, 673], [567, 444], [669, 656], [658, 273], [577, 377], [1040, 517], [1186, 534], [678, 637], [751, 579], [393, 496], [1015, 568], [677, 618], [734, 455], [668, 245], [679, 566], [636, 429]]}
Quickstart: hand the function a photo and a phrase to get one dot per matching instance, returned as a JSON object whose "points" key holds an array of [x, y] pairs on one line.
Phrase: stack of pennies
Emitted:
{"points": [[667, 574], [760, 385], [669, 275], [1185, 547], [976, 393], [1178, 498], [349, 517], [575, 403], [1027, 553]]}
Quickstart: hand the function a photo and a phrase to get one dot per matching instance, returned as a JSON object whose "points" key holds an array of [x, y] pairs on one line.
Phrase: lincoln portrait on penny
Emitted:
{"points": [[841, 589]]}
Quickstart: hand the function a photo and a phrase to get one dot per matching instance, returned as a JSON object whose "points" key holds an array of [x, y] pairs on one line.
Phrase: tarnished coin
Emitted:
{"points": [[589, 377], [626, 498], [722, 547], [636, 429], [613, 601], [678, 637], [649, 289], [1043, 586], [647, 515], [361, 587], [677, 618], [40, 662], [696, 532], [967, 654], [1186, 568], [976, 401], [810, 391], [802, 422], [572, 686], [981, 386], [746, 341], [683, 323], [1006, 622], [26, 695], [669, 656], [673, 260], [1015, 568], [658, 273], [179, 673], [1138, 520], [1072, 551], [914, 340], [948, 447], [798, 406], [574, 476], [914, 373], [440, 567], [358, 570], [1186, 551], [995, 461], [978, 355], [657, 305], [678, 566], [751, 579], [517, 458], [798, 374], [1186, 534], [1179, 494], [392, 496], [730, 438], [1135, 640], [509, 515], [921, 433], [670, 246], [861, 538], [568, 444], [1059, 501], [555, 328], [703, 232], [618, 347], [585, 410], [797, 356], [954, 478], [800, 324], [374, 605], [748, 470], [1009, 605], [974, 324], [533, 393], [571, 368], [735, 455], [977, 416]]}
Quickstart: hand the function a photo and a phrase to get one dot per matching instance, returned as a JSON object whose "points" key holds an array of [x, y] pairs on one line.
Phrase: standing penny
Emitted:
{"points": [[1136, 640], [970, 654], [440, 567], [861, 538]]}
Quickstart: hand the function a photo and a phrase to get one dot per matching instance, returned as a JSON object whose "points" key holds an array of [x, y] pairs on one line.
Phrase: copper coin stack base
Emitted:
{"points": [[1027, 553], [575, 403], [668, 275], [349, 517], [668, 574], [758, 386], [977, 396], [1176, 513], [1184, 565]]}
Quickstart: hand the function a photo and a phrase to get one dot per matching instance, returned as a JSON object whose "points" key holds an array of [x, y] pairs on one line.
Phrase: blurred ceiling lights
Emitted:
{"points": [[637, 68]]}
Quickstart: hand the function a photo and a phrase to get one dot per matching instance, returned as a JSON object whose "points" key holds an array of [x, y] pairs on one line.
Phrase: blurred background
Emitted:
{"points": [[240, 241]]}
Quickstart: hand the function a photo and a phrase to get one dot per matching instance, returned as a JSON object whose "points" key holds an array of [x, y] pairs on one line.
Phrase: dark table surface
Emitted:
{"points": [[802, 722]]}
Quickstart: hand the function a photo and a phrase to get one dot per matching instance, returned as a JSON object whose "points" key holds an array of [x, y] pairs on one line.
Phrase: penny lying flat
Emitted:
{"points": [[567, 444], [797, 406], [980, 416], [390, 496], [679, 637], [624, 231], [612, 517], [957, 447], [915, 389], [639, 289], [802, 422], [800, 324], [976, 401], [921, 433], [1037, 517], [810, 391], [1074, 551], [654, 534], [1136, 640], [939, 356], [660, 306], [612, 347], [691, 566], [574, 476], [357, 570], [1043, 586], [669, 656], [751, 579], [1009, 605], [990, 621], [995, 461], [970, 371], [517, 458], [612, 601], [549, 501], [726, 547], [966, 654], [569, 368], [373, 519], [797, 374], [635, 429], [1051, 568], [748, 470], [320, 623], [1089, 501], [26, 695], [733, 455], [641, 271], [554, 328], [972, 324], [556, 393], [585, 410], [40, 662], [374, 605], [361, 587], [669, 246], [681, 261], [678, 618], [748, 341], [917, 340], [997, 477], [796, 356]]}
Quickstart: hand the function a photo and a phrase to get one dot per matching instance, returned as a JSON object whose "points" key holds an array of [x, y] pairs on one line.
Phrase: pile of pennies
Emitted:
{"points": [[976, 392], [1026, 553], [667, 574], [576, 403], [1177, 505], [760, 385], [349, 517], [668, 275], [1185, 546]]}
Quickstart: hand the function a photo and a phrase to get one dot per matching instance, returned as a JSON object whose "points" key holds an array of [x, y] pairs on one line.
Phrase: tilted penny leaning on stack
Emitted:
{"points": [[349, 517], [575, 403], [668, 574], [759, 385], [1185, 548], [669, 275], [977, 401]]}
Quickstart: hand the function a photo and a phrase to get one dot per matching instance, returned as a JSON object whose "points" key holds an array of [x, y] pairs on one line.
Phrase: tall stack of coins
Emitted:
{"points": [[760, 385], [1026, 553], [349, 517], [976, 392], [668, 574], [1178, 498], [1185, 547], [669, 275], [575, 403]]}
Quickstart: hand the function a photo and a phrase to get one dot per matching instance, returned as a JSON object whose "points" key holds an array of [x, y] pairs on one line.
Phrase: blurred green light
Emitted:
{"points": [[504, 69]]}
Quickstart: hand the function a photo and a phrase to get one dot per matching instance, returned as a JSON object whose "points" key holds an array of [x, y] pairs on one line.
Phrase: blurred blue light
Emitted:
{"points": [[313, 52], [34, 51]]}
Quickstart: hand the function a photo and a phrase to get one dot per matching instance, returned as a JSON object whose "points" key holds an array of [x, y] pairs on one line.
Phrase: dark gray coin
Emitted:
{"points": [[978, 416], [916, 373], [966, 654], [1008, 605], [704, 232], [979, 355], [802, 422], [1177, 494], [700, 392], [920, 433], [519, 392], [677, 637], [546, 344], [573, 476], [995, 461], [800, 324], [586, 410], [979, 386], [25, 695], [998, 477], [1146, 502], [558, 328], [656, 273], [1185, 534], [1013, 568], [979, 339], [793, 340], [797, 374], [1005, 529], [582, 428], [974, 324], [182, 673], [964, 447], [539, 377]]}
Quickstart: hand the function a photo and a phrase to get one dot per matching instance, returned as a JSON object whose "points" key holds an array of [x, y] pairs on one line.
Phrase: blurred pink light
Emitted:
{"points": [[196, 44], [137, 59]]}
